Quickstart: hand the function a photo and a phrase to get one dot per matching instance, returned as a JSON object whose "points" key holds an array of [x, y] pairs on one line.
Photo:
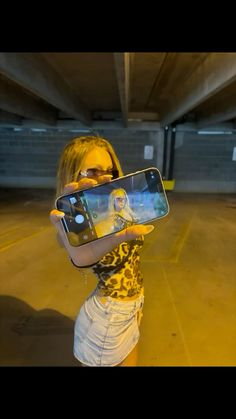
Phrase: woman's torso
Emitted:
{"points": [[118, 272]]}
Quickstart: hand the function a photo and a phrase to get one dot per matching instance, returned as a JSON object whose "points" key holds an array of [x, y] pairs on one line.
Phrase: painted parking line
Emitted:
{"points": [[178, 244], [190, 363], [5, 247], [180, 241]]}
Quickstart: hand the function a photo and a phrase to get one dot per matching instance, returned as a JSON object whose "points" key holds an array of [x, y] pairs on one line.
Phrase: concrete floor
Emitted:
{"points": [[189, 266]]}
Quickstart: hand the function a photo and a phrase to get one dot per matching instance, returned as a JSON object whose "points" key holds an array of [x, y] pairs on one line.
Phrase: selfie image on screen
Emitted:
{"points": [[111, 207]]}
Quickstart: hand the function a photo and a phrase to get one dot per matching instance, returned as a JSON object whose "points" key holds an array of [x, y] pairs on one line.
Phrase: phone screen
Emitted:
{"points": [[111, 207]]}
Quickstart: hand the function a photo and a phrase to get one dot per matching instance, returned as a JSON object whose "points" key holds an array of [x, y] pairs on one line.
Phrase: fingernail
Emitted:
{"points": [[149, 228], [60, 215]]}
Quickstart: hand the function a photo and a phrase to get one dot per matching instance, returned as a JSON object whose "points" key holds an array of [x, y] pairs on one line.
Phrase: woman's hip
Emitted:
{"points": [[105, 333]]}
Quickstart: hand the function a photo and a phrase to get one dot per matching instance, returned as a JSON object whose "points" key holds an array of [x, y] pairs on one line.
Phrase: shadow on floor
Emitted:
{"points": [[34, 338]]}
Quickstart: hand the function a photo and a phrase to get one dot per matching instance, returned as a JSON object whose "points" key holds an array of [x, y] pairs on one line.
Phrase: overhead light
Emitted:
{"points": [[79, 130], [214, 132], [38, 129]]}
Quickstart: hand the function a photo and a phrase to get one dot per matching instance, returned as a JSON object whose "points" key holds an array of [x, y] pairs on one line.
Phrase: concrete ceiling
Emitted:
{"points": [[55, 89]]}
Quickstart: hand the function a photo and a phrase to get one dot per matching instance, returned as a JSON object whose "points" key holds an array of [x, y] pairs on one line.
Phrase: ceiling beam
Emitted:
{"points": [[222, 113], [122, 66], [144, 116], [216, 72], [96, 125], [13, 100], [34, 73], [7, 117], [145, 69], [106, 116]]}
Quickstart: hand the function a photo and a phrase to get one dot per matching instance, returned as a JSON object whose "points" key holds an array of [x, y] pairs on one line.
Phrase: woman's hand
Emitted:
{"points": [[134, 231], [56, 216], [84, 183], [90, 253]]}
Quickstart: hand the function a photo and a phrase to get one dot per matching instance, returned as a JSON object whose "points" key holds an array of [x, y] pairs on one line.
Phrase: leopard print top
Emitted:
{"points": [[118, 272]]}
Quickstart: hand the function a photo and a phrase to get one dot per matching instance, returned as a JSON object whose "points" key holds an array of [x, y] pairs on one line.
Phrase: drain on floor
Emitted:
{"points": [[29, 325]]}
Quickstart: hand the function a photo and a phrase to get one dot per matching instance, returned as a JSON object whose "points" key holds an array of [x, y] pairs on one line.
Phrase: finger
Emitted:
{"points": [[56, 216], [70, 187], [104, 178], [141, 229], [147, 229], [138, 230], [76, 186], [86, 183]]}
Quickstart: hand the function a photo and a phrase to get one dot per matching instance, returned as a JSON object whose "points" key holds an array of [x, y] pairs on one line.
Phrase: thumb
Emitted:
{"points": [[148, 229], [56, 216], [132, 232], [104, 179]]}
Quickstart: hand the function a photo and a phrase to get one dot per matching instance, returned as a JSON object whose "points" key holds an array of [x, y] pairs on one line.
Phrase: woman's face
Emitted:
{"points": [[97, 163], [120, 202]]}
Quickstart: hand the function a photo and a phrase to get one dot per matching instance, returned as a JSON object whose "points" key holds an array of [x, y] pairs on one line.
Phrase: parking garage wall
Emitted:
{"points": [[30, 159], [203, 163]]}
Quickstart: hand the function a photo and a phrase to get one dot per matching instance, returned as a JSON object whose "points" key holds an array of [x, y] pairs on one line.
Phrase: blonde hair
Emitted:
{"points": [[111, 204], [73, 155], [113, 196]]}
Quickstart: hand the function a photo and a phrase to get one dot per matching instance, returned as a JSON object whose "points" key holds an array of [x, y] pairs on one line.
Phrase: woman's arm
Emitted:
{"points": [[90, 253]]}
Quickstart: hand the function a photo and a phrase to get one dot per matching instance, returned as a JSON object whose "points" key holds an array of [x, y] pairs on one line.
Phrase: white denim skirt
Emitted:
{"points": [[106, 333]]}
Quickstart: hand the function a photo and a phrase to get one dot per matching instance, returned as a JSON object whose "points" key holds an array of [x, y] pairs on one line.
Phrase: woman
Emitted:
{"points": [[106, 329], [119, 210]]}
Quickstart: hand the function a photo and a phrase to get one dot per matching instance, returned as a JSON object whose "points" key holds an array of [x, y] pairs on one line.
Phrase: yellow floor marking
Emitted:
{"points": [[180, 241], [10, 230], [177, 318], [177, 246], [2, 249]]}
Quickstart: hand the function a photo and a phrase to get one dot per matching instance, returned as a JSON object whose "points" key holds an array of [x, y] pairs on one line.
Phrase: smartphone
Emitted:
{"points": [[110, 207]]}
